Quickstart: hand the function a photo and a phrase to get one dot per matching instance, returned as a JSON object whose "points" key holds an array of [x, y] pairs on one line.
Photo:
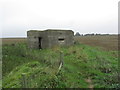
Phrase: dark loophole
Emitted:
{"points": [[61, 39]]}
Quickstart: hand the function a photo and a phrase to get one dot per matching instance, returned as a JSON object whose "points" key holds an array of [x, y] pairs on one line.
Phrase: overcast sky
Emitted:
{"points": [[83, 16]]}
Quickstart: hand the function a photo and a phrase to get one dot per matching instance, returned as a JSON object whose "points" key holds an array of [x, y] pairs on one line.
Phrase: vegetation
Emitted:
{"points": [[77, 34], [84, 66]]}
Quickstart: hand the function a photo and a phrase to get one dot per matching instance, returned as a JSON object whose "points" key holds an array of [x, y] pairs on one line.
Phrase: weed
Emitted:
{"points": [[40, 67]]}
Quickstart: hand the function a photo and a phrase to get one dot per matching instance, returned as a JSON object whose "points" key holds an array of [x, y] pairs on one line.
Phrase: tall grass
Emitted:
{"points": [[40, 66]]}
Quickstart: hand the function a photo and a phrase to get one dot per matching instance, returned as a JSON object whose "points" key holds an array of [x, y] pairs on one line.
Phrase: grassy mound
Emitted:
{"points": [[39, 67]]}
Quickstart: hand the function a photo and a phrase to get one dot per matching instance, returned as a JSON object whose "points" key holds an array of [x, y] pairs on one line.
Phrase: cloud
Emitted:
{"points": [[80, 15]]}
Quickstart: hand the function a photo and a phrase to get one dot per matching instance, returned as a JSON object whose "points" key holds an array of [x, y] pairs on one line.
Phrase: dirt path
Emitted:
{"points": [[88, 80]]}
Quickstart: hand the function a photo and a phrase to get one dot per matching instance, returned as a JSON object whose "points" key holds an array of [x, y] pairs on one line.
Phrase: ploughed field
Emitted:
{"points": [[108, 42], [13, 40], [92, 62]]}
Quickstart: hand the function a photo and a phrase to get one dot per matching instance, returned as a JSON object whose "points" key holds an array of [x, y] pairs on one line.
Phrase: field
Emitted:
{"points": [[91, 63], [105, 42], [13, 40]]}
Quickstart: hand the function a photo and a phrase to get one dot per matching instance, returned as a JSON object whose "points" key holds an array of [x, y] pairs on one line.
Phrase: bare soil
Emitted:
{"points": [[13, 40], [109, 42]]}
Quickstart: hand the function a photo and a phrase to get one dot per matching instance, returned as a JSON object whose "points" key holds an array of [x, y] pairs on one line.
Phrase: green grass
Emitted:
{"points": [[40, 67]]}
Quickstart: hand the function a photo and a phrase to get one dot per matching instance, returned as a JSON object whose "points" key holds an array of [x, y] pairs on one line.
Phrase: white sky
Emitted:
{"points": [[83, 16]]}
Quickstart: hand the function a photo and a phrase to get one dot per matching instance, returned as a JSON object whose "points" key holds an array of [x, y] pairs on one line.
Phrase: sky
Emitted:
{"points": [[83, 16]]}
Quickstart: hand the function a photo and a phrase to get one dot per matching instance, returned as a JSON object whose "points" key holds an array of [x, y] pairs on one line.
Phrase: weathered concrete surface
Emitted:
{"points": [[49, 38]]}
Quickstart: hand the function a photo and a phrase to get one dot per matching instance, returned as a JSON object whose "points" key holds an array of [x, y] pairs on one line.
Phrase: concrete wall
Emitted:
{"points": [[32, 39], [50, 38]]}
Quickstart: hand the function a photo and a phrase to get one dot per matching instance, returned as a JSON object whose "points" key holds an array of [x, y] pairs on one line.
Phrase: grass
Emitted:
{"points": [[40, 66]]}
